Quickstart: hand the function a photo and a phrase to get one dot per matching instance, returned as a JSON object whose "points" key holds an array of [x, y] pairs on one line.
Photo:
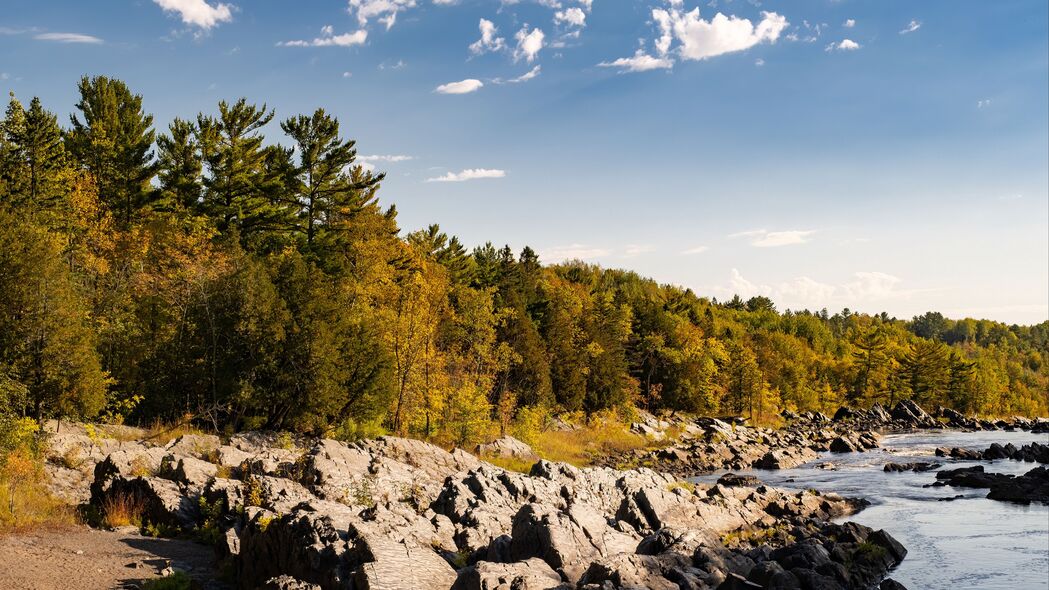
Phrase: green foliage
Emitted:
{"points": [[176, 581], [247, 284]]}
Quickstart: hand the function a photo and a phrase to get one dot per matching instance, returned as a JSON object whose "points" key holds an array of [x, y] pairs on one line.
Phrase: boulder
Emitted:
{"points": [[187, 470], [506, 447], [288, 583], [785, 458], [194, 445], [530, 574], [631, 571]]}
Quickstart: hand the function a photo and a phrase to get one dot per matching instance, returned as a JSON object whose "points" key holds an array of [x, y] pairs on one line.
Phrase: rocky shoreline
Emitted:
{"points": [[397, 513]]}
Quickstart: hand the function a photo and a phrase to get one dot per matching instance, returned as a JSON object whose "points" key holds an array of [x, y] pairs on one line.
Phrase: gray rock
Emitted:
{"points": [[506, 447], [531, 574]]}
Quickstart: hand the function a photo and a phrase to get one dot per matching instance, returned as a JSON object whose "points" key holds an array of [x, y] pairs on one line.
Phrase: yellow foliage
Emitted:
{"points": [[25, 502]]}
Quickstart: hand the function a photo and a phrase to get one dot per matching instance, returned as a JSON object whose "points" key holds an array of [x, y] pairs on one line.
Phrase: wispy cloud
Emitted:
{"points": [[198, 13], [385, 158], [328, 38], [529, 75], [911, 27], [865, 289], [68, 38], [469, 174], [572, 252], [461, 87], [640, 62], [696, 250], [633, 250], [761, 238]]}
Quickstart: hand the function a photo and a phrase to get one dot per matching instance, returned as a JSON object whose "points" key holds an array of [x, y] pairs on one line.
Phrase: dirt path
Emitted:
{"points": [[88, 559]]}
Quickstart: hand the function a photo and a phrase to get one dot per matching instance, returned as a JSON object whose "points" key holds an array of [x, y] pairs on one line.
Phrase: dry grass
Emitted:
{"points": [[121, 510], [512, 463], [25, 502], [161, 433], [603, 435]]}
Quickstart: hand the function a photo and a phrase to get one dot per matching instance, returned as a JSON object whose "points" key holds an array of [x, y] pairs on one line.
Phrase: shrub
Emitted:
{"points": [[25, 501], [122, 510], [176, 581]]}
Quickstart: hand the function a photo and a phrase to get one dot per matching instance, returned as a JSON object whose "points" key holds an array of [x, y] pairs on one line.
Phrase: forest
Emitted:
{"points": [[250, 281]]}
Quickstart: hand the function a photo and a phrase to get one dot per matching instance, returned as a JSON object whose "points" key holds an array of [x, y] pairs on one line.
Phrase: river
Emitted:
{"points": [[971, 543]]}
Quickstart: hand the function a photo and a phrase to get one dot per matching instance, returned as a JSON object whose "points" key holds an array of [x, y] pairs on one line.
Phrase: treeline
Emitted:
{"points": [[204, 270]]}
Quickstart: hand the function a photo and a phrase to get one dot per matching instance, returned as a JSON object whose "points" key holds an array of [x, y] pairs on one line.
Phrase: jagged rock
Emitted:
{"points": [[957, 453], [566, 540], [917, 467], [733, 480], [305, 545], [506, 447], [912, 414], [631, 571], [288, 583], [890, 584], [193, 445], [737, 582], [785, 458], [770, 574], [187, 470], [277, 494], [159, 501], [129, 462], [531, 574]]}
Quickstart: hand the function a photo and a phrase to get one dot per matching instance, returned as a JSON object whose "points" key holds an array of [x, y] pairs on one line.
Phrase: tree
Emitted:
{"points": [[180, 167], [870, 359], [114, 142], [35, 160], [322, 185], [46, 342], [925, 370], [238, 187]]}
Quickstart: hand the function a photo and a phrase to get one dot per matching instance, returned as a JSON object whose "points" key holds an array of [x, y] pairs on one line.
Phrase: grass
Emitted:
{"points": [[512, 463], [176, 581], [602, 435], [121, 510], [682, 485], [25, 502]]}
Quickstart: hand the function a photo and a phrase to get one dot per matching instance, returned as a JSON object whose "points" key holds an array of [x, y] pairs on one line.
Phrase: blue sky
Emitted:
{"points": [[880, 155]]}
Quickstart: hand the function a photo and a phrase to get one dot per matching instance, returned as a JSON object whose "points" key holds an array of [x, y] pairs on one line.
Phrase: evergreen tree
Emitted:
{"points": [[35, 162], [179, 167], [114, 142]]}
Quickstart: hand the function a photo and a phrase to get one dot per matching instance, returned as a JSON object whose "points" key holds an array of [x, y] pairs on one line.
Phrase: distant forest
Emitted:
{"points": [[203, 270]]}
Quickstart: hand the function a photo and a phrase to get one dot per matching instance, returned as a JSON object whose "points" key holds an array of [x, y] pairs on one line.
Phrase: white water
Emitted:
{"points": [[969, 543]]}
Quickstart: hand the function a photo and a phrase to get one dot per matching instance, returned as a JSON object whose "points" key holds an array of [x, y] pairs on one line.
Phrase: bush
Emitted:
{"points": [[122, 510], [176, 581], [25, 501]]}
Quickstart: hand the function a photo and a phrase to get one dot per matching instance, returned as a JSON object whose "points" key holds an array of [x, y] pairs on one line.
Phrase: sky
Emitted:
{"points": [[880, 155]]}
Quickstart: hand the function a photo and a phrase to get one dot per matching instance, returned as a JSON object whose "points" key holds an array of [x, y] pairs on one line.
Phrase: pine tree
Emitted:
{"points": [[179, 166], [36, 160], [114, 142]]}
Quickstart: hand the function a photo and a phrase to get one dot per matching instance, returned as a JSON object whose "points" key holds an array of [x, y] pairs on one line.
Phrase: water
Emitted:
{"points": [[971, 543]]}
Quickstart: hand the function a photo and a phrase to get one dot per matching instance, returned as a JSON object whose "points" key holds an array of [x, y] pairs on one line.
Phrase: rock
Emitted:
{"points": [[506, 447], [187, 470], [737, 582], [1032, 486], [733, 480], [158, 501], [566, 540], [636, 571], [770, 574], [913, 415], [785, 458], [916, 467], [531, 574], [288, 583], [842, 444], [890, 584], [198, 446]]}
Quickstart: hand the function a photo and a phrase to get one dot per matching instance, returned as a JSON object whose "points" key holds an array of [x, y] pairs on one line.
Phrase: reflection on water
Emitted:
{"points": [[971, 543]]}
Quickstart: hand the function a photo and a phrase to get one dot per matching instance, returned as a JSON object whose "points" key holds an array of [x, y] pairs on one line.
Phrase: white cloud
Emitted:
{"points": [[328, 38], [572, 16], [983, 103], [530, 74], [68, 38], [640, 62], [865, 290], [461, 87], [528, 43], [633, 250], [572, 252], [759, 62], [385, 158], [198, 12], [911, 27], [469, 174], [488, 41], [843, 45], [347, 74], [696, 250], [765, 239], [849, 23], [700, 39], [384, 11]]}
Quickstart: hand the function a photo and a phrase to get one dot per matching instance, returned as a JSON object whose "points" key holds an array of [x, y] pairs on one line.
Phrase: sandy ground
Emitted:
{"points": [[88, 559]]}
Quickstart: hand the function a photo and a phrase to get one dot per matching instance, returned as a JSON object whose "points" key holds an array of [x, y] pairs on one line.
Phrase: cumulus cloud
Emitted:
{"points": [[528, 43], [849, 23], [384, 11], [328, 38], [488, 41], [865, 289], [68, 38], [911, 27], [572, 252], [701, 39], [843, 45], [640, 62], [469, 174], [461, 87], [198, 13], [761, 238], [571, 16]]}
